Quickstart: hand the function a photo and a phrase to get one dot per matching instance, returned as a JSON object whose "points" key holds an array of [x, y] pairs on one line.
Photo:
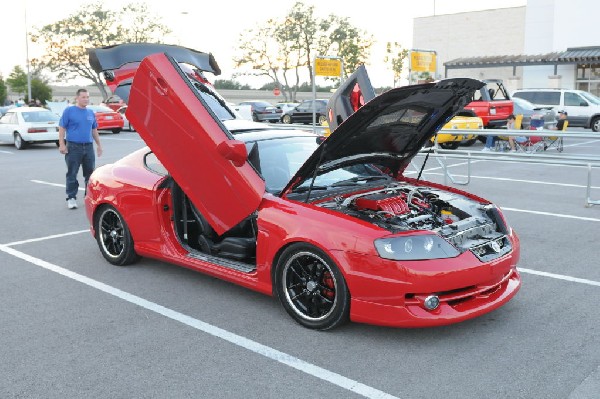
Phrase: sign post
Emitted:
{"points": [[324, 66]]}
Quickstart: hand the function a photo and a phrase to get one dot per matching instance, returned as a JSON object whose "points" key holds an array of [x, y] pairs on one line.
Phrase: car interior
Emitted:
{"points": [[238, 244]]}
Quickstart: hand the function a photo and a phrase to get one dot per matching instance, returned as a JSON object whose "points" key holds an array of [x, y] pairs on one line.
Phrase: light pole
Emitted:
{"points": [[27, 54]]}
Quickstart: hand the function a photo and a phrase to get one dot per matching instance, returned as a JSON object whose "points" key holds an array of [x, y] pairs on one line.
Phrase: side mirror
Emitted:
{"points": [[234, 151]]}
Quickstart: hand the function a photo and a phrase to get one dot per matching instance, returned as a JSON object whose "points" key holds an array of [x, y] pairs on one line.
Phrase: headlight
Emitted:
{"points": [[415, 248]]}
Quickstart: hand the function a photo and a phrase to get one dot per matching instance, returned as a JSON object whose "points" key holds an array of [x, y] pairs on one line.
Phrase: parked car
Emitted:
{"points": [[286, 107], [583, 107], [492, 104], [126, 123], [263, 111], [26, 125], [334, 230], [451, 142], [5, 109], [303, 113], [531, 111], [107, 118]]}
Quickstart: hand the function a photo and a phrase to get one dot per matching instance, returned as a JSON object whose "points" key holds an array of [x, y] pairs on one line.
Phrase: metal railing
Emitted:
{"points": [[590, 161]]}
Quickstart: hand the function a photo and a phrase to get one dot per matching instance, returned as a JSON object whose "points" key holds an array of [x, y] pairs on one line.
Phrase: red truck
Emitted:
{"points": [[491, 103]]}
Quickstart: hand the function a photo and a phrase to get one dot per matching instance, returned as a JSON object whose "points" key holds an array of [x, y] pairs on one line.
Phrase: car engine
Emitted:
{"points": [[465, 223]]}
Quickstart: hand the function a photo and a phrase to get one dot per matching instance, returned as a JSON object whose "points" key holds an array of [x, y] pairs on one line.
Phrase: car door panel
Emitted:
{"points": [[192, 143], [356, 91]]}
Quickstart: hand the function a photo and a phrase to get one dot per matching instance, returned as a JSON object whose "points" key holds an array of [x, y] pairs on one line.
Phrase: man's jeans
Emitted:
{"points": [[80, 154]]}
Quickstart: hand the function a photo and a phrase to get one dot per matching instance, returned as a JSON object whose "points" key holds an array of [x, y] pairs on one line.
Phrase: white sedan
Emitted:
{"points": [[25, 125]]}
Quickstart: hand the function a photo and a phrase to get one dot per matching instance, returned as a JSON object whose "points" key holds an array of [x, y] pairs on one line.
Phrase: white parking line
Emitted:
{"points": [[53, 184], [558, 215], [253, 346], [10, 244], [560, 277]]}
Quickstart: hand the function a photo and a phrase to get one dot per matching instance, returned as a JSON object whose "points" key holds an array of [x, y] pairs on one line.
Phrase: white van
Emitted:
{"points": [[583, 108]]}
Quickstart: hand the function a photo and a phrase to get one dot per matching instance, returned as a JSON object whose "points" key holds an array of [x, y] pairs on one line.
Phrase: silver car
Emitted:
{"points": [[531, 111]]}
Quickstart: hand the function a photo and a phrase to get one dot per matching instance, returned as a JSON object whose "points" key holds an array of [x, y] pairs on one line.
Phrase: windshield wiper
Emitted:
{"points": [[356, 179]]}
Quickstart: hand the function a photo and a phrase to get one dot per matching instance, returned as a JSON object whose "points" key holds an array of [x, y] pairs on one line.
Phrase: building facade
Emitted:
{"points": [[546, 43]]}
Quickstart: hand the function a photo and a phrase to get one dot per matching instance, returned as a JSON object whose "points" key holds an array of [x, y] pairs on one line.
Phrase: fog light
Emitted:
{"points": [[431, 302]]}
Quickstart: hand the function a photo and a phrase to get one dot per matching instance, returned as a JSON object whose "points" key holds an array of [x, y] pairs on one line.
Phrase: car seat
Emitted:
{"points": [[239, 243]]}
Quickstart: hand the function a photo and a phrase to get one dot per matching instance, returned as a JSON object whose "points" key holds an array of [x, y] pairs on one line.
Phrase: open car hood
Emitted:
{"points": [[390, 129], [119, 63]]}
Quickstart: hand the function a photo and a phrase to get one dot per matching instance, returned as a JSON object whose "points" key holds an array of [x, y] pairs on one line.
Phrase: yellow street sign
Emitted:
{"points": [[422, 61], [328, 67]]}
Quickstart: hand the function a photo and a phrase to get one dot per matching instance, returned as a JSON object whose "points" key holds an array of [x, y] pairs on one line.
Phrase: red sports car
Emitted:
{"points": [[107, 118], [331, 227]]}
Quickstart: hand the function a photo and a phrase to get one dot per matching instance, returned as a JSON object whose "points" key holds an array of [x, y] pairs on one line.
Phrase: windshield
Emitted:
{"points": [[39, 116], [523, 103], [279, 159], [99, 108], [591, 98]]}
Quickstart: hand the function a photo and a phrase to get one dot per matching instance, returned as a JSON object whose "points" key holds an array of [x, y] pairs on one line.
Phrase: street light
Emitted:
{"points": [[27, 54]]}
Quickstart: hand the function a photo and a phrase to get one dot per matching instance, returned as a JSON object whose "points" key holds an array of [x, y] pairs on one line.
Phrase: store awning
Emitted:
{"points": [[581, 55], [575, 55]]}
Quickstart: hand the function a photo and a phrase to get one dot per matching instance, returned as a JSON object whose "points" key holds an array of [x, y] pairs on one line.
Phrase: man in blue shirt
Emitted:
{"points": [[77, 128]]}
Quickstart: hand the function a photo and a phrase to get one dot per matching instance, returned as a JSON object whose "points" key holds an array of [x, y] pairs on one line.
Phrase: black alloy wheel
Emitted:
{"points": [[311, 288], [114, 238]]}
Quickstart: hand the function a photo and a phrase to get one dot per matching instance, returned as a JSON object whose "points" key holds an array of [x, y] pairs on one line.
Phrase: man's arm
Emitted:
{"points": [[96, 137], [62, 147]]}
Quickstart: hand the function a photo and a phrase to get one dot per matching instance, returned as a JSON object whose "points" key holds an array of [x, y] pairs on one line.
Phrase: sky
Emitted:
{"points": [[215, 26]]}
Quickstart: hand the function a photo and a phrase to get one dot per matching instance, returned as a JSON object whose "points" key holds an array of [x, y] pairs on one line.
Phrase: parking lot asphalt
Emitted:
{"points": [[72, 325]]}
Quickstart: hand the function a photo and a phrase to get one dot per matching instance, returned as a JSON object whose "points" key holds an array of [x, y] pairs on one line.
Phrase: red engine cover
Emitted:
{"points": [[380, 202]]}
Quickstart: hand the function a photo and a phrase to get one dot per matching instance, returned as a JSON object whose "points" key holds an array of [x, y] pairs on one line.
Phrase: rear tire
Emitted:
{"points": [[596, 124], [20, 144], [116, 131]]}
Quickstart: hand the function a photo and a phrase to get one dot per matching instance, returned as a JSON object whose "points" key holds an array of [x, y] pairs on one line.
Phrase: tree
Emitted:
{"points": [[395, 56], [3, 91], [227, 84], [67, 40], [283, 46], [17, 80], [348, 42]]}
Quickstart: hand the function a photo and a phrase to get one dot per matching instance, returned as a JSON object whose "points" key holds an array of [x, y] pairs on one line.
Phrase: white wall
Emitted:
{"points": [[472, 34], [554, 26]]}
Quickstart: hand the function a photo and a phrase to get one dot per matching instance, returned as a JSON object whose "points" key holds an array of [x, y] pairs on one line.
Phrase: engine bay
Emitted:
{"points": [[400, 206]]}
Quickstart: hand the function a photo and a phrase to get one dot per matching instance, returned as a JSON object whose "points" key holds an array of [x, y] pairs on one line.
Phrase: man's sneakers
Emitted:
{"points": [[486, 149], [72, 203]]}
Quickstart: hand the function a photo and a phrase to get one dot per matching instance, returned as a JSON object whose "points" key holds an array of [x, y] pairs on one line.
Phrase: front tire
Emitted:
{"points": [[114, 238], [20, 144], [311, 288], [450, 146], [286, 119], [116, 131]]}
